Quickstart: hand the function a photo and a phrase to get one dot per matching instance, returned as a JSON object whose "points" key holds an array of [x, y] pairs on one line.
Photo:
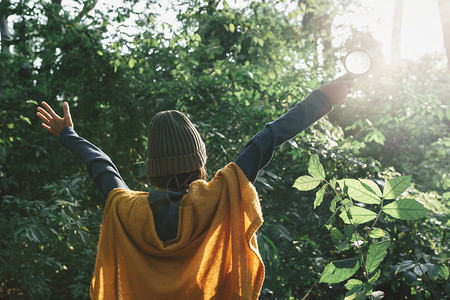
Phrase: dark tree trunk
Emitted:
{"points": [[396, 41], [5, 37], [444, 11], [4, 30]]}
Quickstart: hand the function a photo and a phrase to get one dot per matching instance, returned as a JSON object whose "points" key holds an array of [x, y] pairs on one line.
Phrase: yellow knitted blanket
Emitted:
{"points": [[214, 256]]}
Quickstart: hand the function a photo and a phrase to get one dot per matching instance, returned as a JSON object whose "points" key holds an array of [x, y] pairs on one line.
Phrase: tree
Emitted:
{"points": [[4, 29], [444, 11], [396, 40], [5, 36]]}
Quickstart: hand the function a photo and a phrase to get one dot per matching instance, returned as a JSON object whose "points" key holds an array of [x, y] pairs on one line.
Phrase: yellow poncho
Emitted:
{"points": [[214, 256]]}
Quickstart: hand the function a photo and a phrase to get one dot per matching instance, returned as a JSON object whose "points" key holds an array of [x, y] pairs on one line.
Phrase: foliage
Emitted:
{"points": [[232, 71], [369, 244], [57, 234]]}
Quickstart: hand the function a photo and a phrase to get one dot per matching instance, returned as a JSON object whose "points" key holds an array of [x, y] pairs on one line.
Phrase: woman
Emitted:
{"points": [[189, 238]]}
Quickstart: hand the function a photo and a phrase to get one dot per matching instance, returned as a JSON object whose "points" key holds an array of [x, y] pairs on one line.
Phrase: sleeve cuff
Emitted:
{"points": [[65, 132], [323, 99]]}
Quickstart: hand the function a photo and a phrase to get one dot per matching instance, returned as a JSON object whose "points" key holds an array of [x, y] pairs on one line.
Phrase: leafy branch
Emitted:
{"points": [[355, 198]]}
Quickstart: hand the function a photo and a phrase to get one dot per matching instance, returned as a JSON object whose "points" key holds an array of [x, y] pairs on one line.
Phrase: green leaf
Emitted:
{"points": [[358, 215], [340, 270], [341, 183], [355, 296], [32, 101], [306, 183], [260, 42], [278, 69], [410, 277], [375, 256], [100, 53], [333, 203], [371, 186], [272, 74], [420, 269], [131, 63], [377, 233], [333, 183], [33, 234], [443, 271], [406, 209], [337, 234], [84, 237], [351, 283], [231, 26], [375, 276], [376, 136], [357, 238], [313, 83], [315, 168], [358, 192], [432, 270], [332, 219], [26, 119], [349, 232], [319, 196], [354, 288], [405, 266], [347, 203], [342, 246], [396, 186]]}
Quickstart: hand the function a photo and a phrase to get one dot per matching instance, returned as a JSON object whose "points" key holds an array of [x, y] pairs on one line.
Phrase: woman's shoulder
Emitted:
{"points": [[121, 195], [126, 193]]}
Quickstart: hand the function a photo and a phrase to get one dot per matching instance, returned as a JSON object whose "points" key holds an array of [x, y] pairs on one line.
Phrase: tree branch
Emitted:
{"points": [[87, 7]]}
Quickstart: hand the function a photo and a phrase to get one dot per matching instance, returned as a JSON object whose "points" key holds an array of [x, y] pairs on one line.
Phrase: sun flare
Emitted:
{"points": [[421, 31]]}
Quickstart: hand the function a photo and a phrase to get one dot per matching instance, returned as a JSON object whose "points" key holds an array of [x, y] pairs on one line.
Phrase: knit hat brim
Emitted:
{"points": [[174, 165]]}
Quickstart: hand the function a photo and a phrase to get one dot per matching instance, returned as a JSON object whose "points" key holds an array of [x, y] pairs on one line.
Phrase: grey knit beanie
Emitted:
{"points": [[174, 145]]}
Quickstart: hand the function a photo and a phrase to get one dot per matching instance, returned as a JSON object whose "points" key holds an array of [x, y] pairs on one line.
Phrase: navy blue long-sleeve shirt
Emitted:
{"points": [[256, 154]]}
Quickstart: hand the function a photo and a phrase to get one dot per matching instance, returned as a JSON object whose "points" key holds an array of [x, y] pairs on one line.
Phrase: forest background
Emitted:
{"points": [[231, 70]]}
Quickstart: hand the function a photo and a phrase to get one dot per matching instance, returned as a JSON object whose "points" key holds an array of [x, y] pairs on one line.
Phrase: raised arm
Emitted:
{"points": [[99, 166], [259, 150]]}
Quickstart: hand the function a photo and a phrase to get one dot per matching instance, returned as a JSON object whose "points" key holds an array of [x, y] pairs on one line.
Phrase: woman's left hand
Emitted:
{"points": [[53, 122]]}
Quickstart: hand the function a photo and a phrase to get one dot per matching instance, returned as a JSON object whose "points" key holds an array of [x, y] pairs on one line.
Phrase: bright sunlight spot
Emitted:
{"points": [[421, 29]]}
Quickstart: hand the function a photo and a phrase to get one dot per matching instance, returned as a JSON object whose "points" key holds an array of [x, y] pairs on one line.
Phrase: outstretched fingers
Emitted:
{"points": [[50, 111], [43, 115], [46, 119]]}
